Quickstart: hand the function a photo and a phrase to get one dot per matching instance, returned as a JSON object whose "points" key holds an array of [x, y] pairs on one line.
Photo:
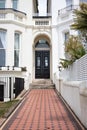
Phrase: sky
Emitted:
{"points": [[42, 6]]}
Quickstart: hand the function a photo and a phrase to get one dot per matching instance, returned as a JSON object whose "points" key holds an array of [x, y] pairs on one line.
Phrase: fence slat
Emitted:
{"points": [[77, 71]]}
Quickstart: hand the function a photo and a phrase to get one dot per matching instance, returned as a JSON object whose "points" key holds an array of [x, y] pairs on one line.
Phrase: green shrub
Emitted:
{"points": [[74, 49]]}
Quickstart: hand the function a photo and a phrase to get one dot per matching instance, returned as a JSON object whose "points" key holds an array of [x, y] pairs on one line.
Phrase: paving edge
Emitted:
{"points": [[14, 110], [9, 113], [71, 111]]}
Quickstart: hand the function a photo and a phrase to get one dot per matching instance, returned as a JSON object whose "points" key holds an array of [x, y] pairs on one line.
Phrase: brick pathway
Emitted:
{"points": [[42, 109]]}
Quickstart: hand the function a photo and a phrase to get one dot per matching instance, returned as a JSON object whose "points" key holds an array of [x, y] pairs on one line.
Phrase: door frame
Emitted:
{"points": [[36, 38], [33, 61]]}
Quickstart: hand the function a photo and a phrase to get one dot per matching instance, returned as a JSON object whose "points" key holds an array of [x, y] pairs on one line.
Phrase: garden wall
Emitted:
{"points": [[72, 85]]}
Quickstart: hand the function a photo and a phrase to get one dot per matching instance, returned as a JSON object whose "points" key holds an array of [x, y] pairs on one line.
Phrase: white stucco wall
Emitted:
{"points": [[29, 31], [60, 25], [75, 94], [54, 50], [27, 50]]}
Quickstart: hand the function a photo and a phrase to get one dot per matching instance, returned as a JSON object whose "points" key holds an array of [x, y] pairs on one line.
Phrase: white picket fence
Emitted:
{"points": [[72, 85], [77, 71]]}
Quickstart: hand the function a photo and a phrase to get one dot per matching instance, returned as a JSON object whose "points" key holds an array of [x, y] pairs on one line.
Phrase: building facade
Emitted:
{"points": [[31, 45]]}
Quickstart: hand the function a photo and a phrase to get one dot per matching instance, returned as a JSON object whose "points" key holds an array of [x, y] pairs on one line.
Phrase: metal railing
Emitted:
{"points": [[39, 22], [10, 86], [67, 9]]}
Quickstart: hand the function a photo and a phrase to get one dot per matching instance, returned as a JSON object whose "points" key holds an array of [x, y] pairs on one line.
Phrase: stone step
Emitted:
{"points": [[42, 81], [42, 84]]}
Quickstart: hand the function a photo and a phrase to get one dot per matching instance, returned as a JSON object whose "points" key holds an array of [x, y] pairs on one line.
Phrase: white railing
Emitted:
{"points": [[41, 22], [11, 14], [67, 9], [2, 16], [77, 71], [42, 15]]}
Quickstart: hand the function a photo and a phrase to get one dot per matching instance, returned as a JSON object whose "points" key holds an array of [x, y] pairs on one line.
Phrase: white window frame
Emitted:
{"points": [[17, 49], [4, 45]]}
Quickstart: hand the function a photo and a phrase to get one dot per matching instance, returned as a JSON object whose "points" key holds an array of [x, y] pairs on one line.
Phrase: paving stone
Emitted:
{"points": [[42, 109]]}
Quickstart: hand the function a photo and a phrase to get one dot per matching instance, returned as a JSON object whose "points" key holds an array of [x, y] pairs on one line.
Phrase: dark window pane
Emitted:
{"points": [[42, 44], [17, 41], [2, 47], [2, 3], [66, 36], [15, 4], [38, 61], [68, 2], [1, 44], [2, 39], [16, 49], [16, 58], [46, 62], [83, 0], [2, 57]]}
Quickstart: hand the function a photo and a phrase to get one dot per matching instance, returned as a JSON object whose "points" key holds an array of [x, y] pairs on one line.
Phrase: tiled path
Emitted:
{"points": [[42, 109]]}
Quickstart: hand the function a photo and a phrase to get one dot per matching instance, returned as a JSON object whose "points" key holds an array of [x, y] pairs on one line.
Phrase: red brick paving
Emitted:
{"points": [[42, 109]]}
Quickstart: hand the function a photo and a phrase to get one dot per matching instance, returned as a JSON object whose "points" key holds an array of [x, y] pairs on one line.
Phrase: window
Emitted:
{"points": [[66, 36], [16, 49], [42, 44], [46, 61], [2, 3], [38, 61], [83, 0], [68, 2], [2, 47], [15, 4]]}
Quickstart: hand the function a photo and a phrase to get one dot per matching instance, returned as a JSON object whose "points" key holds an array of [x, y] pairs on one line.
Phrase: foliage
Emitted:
{"points": [[80, 21], [65, 63], [74, 49], [23, 69]]}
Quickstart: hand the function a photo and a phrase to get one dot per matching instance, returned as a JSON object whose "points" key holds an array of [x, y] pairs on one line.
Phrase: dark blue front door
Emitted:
{"points": [[42, 64]]}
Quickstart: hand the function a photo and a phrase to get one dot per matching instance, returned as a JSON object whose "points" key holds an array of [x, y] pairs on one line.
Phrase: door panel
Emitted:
{"points": [[1, 92], [42, 64]]}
